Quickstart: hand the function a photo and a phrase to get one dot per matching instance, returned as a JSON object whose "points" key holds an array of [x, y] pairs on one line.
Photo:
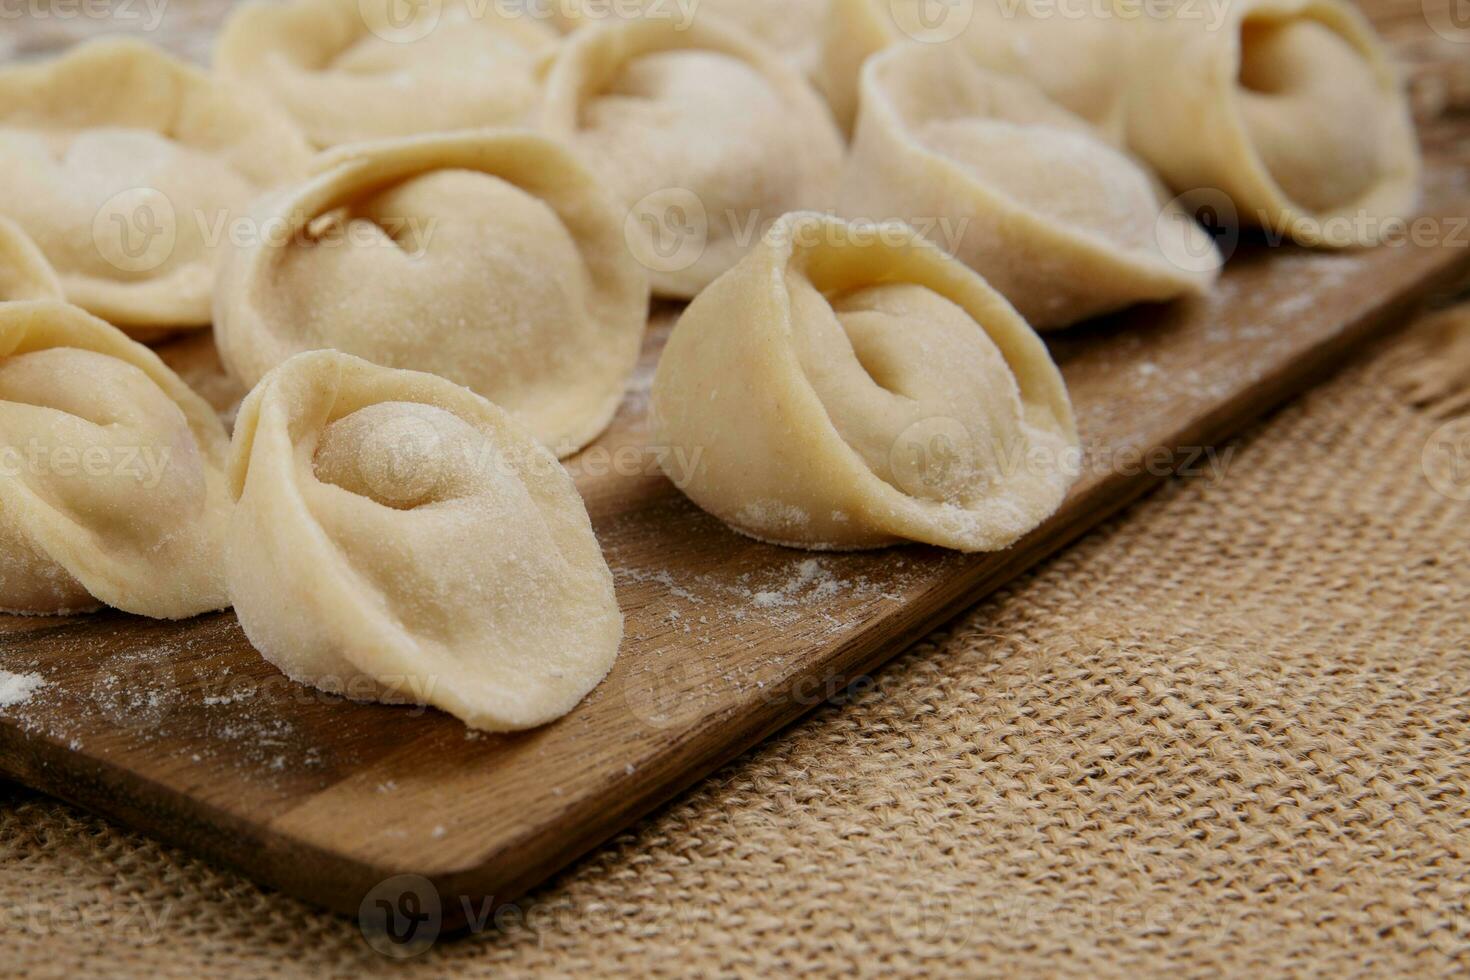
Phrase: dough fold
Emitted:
{"points": [[1290, 109], [851, 386], [398, 538], [112, 487], [1065, 226], [705, 136], [354, 70], [493, 259], [127, 167], [24, 272]]}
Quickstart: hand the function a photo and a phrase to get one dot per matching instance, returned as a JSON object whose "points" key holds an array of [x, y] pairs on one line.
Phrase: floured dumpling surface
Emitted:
{"points": [[127, 168], [851, 386], [704, 135], [112, 489], [493, 259], [1030, 196], [399, 538], [24, 272], [1290, 108], [350, 70]]}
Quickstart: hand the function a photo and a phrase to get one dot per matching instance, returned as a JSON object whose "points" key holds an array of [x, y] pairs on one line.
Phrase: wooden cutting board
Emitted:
{"points": [[182, 731]]}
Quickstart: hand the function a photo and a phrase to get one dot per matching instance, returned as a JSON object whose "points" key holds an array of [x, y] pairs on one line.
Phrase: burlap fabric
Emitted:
{"points": [[1230, 730]]}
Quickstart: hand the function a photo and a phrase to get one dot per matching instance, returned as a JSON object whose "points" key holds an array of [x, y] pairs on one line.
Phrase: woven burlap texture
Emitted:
{"points": [[1229, 730]]}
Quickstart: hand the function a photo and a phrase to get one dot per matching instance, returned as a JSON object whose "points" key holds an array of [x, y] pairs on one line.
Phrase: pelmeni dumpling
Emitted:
{"points": [[706, 136], [126, 167], [24, 272], [1030, 196], [112, 486], [851, 386], [397, 537], [1080, 62], [1290, 109], [350, 70], [493, 259]]}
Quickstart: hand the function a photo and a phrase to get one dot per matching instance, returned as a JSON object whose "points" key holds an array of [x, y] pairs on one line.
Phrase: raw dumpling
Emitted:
{"points": [[398, 538], [112, 486], [127, 167], [1023, 192], [24, 272], [493, 259], [350, 70], [1079, 62], [791, 28], [851, 386], [1291, 109], [705, 135]]}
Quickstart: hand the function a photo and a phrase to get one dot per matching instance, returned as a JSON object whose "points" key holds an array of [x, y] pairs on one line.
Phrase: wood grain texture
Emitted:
{"points": [[181, 730]]}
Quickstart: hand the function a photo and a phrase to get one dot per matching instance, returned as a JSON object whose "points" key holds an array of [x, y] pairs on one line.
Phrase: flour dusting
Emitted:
{"points": [[16, 689]]}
